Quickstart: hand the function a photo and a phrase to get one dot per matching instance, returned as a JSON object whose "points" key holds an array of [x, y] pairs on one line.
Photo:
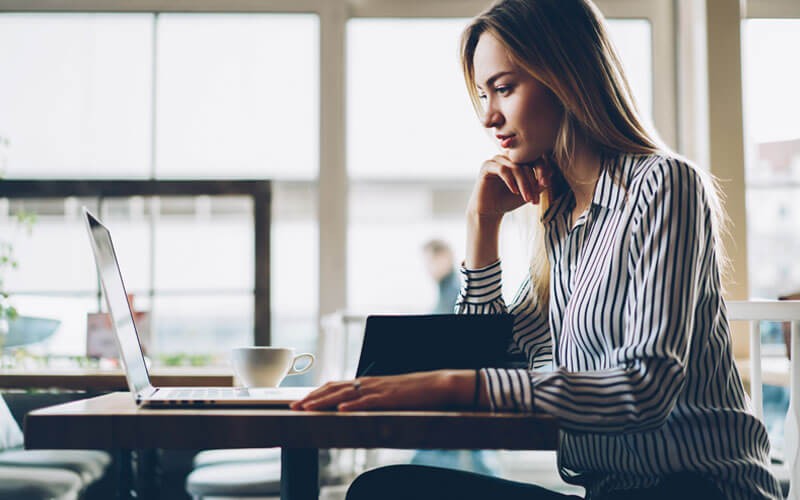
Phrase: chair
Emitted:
{"points": [[235, 456], [39, 483], [242, 472], [43, 473], [89, 465], [256, 478], [788, 469]]}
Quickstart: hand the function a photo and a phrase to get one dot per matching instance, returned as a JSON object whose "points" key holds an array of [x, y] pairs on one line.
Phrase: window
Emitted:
{"points": [[773, 159], [166, 96], [237, 96], [75, 97], [772, 135]]}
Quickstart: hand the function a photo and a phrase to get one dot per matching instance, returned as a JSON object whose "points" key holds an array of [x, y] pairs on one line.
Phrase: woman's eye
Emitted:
{"points": [[482, 97], [503, 90]]}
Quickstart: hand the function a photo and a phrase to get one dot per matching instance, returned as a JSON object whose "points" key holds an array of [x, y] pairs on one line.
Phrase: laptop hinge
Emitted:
{"points": [[146, 393]]}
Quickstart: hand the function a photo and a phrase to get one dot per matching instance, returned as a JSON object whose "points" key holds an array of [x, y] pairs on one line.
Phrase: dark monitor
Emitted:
{"points": [[404, 344]]}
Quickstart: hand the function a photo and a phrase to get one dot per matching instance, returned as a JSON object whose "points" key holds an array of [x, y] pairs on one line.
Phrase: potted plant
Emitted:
{"points": [[8, 262]]}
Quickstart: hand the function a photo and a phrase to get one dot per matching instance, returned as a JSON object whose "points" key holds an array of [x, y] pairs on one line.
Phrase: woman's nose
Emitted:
{"points": [[492, 118]]}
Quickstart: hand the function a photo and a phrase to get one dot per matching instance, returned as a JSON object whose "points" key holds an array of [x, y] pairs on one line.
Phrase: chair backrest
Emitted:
{"points": [[338, 348], [774, 310], [339, 345]]}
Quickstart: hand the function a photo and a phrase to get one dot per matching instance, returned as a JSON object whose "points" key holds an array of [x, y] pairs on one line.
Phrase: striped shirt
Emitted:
{"points": [[632, 354]]}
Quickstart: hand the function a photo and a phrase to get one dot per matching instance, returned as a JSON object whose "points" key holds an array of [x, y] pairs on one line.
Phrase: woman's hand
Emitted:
{"points": [[503, 186], [414, 391]]}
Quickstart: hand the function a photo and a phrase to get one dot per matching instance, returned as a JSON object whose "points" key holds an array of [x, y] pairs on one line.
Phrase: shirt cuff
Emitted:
{"points": [[482, 285], [509, 390]]}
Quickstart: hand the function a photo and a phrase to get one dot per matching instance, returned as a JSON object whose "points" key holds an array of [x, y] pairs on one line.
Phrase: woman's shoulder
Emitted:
{"points": [[647, 163], [660, 169]]}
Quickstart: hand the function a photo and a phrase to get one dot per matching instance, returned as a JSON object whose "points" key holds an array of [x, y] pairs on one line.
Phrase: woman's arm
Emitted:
{"points": [[502, 186], [483, 233]]}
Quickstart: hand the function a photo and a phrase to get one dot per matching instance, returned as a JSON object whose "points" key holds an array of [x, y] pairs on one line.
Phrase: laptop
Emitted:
{"points": [[130, 349], [395, 344]]}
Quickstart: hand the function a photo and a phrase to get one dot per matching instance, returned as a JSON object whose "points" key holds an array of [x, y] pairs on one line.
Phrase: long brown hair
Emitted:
{"points": [[565, 45]]}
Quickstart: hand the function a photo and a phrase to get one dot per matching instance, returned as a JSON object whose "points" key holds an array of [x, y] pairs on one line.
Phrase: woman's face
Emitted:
{"points": [[524, 114]]}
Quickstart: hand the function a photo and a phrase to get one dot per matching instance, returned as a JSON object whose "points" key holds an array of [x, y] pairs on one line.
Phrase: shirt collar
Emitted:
{"points": [[610, 191], [559, 206]]}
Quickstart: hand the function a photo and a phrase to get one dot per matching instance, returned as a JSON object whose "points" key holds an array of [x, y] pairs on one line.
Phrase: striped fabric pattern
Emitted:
{"points": [[633, 353]]}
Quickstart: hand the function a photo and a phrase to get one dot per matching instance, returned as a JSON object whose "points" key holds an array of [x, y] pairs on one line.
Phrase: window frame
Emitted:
{"points": [[258, 191]]}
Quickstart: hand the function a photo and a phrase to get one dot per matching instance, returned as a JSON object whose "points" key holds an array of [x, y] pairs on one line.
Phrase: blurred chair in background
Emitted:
{"points": [[43, 474]]}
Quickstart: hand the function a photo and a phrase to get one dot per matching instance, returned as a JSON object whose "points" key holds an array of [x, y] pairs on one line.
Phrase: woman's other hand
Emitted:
{"points": [[434, 390], [503, 186]]}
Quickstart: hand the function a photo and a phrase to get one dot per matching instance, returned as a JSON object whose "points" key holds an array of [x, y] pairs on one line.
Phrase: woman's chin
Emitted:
{"points": [[521, 157]]}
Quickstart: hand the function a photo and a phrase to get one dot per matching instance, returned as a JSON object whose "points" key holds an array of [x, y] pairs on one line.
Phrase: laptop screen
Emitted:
{"points": [[116, 298]]}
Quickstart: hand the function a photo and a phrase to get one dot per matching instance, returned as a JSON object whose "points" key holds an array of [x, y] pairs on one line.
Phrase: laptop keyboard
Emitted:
{"points": [[209, 393]]}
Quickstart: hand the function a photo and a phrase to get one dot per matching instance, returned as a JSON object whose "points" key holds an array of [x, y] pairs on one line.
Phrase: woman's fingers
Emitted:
{"points": [[367, 402], [522, 175], [331, 394], [344, 396], [330, 400], [493, 167], [520, 179], [325, 389], [533, 181], [513, 175], [542, 176]]}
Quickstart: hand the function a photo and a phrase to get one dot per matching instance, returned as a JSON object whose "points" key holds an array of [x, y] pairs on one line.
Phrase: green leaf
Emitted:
{"points": [[27, 219]]}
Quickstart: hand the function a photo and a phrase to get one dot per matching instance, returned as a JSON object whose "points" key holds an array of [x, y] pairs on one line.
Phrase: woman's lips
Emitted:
{"points": [[505, 141]]}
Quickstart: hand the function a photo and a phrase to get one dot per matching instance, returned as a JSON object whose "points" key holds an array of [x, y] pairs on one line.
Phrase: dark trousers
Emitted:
{"points": [[401, 482]]}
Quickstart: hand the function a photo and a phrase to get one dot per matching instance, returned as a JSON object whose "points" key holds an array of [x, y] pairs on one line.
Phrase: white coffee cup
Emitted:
{"points": [[266, 366]]}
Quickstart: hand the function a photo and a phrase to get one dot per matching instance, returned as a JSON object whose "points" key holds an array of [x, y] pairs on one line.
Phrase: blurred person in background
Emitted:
{"points": [[441, 267]]}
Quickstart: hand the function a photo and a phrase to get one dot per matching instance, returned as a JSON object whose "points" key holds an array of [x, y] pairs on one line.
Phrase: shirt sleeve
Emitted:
{"points": [[482, 294], [668, 257]]}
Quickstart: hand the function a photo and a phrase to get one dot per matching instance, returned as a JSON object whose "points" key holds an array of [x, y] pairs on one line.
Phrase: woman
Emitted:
{"points": [[623, 298]]}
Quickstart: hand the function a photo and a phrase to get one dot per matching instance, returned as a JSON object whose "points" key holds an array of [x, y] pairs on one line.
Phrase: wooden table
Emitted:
{"points": [[113, 421], [95, 380]]}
